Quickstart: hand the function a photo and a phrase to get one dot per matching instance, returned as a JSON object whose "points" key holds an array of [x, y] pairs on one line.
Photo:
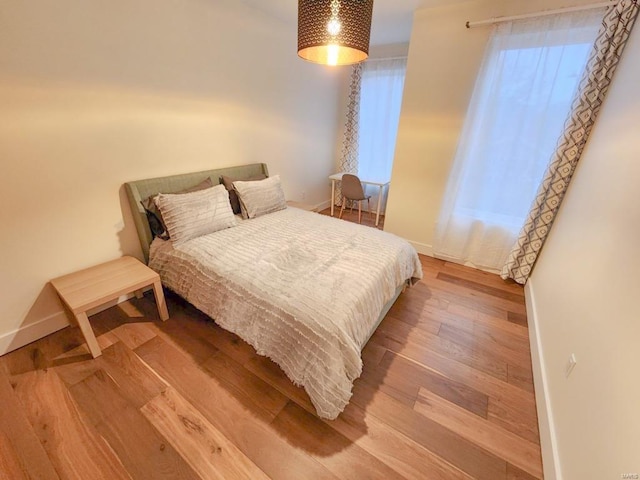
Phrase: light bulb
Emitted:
{"points": [[332, 54], [334, 27]]}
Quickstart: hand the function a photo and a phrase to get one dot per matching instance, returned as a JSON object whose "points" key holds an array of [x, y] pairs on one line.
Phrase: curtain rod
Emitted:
{"points": [[544, 13]]}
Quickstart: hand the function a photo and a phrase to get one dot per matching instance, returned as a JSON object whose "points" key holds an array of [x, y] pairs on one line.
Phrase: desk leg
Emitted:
{"points": [[87, 331], [379, 205], [333, 195], [160, 301]]}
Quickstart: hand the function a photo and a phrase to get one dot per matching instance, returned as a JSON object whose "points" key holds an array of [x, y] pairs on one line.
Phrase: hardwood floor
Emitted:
{"points": [[446, 393], [349, 216]]}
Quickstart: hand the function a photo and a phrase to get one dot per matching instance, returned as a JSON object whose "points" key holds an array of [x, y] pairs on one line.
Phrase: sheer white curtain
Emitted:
{"points": [[520, 102], [380, 101]]}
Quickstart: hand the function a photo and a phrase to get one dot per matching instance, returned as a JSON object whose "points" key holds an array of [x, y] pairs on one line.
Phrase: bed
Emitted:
{"points": [[304, 289]]}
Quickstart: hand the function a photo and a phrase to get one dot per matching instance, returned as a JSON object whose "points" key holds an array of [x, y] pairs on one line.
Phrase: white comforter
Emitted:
{"points": [[304, 289]]}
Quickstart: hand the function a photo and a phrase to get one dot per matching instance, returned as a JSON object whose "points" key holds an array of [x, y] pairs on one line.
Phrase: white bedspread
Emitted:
{"points": [[302, 288]]}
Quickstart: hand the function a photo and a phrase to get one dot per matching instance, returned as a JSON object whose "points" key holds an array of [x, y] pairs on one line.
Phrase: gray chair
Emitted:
{"points": [[352, 190]]}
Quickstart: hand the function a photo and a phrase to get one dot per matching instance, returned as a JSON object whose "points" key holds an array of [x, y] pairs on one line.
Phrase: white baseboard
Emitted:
{"points": [[548, 442], [422, 248], [56, 321], [322, 206], [34, 331]]}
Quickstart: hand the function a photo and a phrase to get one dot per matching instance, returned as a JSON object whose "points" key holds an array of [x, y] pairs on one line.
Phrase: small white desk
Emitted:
{"points": [[336, 177]]}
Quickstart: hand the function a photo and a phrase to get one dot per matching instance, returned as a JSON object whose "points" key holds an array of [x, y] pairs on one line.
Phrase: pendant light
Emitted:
{"points": [[334, 32]]}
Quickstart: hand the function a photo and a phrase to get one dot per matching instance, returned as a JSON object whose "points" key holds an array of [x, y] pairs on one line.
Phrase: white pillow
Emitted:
{"points": [[191, 215], [260, 197]]}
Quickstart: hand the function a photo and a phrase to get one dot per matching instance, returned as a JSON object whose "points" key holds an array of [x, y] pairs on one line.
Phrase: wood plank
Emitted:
{"points": [[467, 318], [38, 355], [142, 450], [247, 385], [509, 406], [441, 294], [517, 318], [134, 334], [397, 450], [341, 456], [399, 337], [74, 369], [458, 451], [23, 454], [270, 372], [137, 383], [396, 386], [482, 277], [455, 392], [207, 450], [481, 287], [520, 377], [73, 446], [250, 432], [218, 337], [514, 473], [179, 332], [496, 345], [10, 465], [489, 301], [500, 442], [522, 423]]}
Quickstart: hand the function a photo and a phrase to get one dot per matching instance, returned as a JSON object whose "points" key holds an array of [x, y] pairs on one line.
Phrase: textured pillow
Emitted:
{"points": [[191, 215], [260, 198], [151, 209], [233, 196]]}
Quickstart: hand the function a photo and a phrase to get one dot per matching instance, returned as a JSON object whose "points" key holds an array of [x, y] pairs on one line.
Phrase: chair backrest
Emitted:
{"points": [[351, 187]]}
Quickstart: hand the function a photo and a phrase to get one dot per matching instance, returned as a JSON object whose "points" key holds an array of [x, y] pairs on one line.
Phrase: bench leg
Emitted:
{"points": [[162, 305], [87, 331]]}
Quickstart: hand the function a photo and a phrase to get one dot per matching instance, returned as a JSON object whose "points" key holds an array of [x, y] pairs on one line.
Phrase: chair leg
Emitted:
{"points": [[351, 205], [342, 208], [359, 211], [369, 209]]}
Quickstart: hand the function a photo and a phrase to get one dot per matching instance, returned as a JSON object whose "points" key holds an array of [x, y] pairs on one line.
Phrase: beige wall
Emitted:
{"points": [[444, 58], [94, 94], [584, 291]]}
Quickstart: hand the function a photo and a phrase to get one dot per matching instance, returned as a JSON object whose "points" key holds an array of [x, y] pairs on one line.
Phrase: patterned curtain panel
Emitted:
{"points": [[349, 156], [592, 90]]}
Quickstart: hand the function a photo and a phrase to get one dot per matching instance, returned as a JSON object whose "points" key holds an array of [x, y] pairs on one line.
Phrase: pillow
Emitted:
{"points": [[233, 196], [151, 209], [261, 197], [191, 215], [155, 224]]}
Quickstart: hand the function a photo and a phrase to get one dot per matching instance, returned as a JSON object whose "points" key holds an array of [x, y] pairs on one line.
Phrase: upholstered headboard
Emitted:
{"points": [[142, 189]]}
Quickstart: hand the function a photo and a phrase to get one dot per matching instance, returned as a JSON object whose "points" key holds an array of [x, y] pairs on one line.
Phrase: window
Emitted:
{"points": [[380, 101], [521, 100]]}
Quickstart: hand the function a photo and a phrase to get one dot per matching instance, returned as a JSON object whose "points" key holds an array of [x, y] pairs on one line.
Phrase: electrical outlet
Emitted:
{"points": [[303, 195], [571, 363]]}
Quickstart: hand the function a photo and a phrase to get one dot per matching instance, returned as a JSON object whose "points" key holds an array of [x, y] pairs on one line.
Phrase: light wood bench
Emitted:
{"points": [[95, 286]]}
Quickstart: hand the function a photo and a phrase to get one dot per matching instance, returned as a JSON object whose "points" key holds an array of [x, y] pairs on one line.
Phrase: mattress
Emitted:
{"points": [[303, 289]]}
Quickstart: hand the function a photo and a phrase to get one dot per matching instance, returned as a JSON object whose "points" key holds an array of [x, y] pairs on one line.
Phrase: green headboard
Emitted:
{"points": [[142, 189]]}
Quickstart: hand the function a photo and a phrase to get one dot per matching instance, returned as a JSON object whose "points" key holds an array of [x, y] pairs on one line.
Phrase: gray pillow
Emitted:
{"points": [[233, 196], [152, 209], [261, 197], [191, 215]]}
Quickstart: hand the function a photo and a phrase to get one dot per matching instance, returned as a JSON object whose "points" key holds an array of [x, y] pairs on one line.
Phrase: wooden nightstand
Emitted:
{"points": [[92, 287]]}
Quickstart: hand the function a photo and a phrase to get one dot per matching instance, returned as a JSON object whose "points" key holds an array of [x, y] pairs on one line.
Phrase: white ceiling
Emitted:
{"points": [[392, 19]]}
